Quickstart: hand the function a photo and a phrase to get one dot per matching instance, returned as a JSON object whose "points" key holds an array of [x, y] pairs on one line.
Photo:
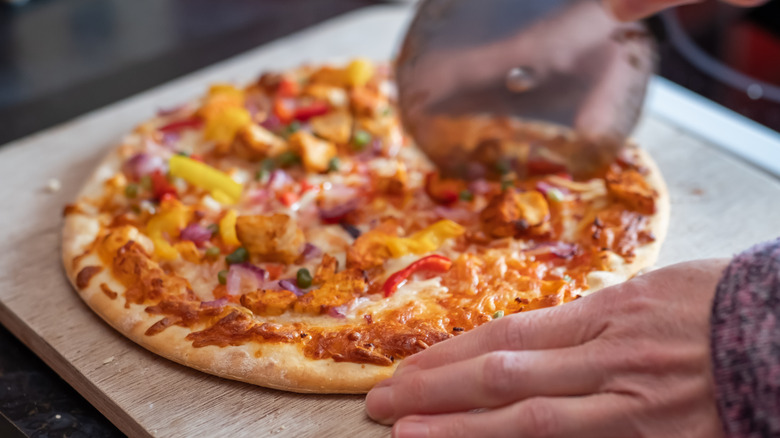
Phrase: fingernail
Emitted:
{"points": [[379, 405], [410, 429]]}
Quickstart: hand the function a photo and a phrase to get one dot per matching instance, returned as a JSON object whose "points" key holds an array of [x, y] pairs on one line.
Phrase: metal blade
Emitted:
{"points": [[556, 79]]}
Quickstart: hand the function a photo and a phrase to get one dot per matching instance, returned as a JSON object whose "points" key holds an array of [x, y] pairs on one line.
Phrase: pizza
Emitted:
{"points": [[287, 233]]}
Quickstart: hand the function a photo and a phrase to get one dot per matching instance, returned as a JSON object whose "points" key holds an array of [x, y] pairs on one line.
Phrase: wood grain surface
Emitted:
{"points": [[720, 206]]}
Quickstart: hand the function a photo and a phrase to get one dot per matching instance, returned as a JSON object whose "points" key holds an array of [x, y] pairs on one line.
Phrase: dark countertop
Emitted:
{"points": [[62, 58]]}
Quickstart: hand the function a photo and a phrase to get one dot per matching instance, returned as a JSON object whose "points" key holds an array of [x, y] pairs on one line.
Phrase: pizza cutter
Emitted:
{"points": [[529, 86]]}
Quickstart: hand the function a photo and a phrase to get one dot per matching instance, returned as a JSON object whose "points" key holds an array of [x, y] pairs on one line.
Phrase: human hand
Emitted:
{"points": [[629, 10], [631, 360]]}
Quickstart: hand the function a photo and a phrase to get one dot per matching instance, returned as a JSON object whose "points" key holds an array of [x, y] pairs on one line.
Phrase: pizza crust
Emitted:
{"points": [[646, 255]]}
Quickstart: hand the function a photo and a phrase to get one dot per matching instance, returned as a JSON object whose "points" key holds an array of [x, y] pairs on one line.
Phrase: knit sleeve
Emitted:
{"points": [[746, 343]]}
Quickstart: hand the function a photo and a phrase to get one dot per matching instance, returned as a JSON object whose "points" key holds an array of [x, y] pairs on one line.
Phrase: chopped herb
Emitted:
{"points": [[262, 175], [457, 329], [214, 228], [222, 277], [360, 139], [183, 154], [303, 278], [292, 128], [503, 167], [238, 256], [213, 252], [387, 111], [466, 196], [498, 314], [507, 184], [555, 195], [567, 279], [268, 164], [146, 182], [287, 159], [334, 164], [131, 190]]}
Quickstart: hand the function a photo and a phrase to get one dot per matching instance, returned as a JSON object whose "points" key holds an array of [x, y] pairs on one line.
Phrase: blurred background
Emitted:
{"points": [[62, 58]]}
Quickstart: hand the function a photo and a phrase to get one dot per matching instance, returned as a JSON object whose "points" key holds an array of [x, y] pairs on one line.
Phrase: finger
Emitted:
{"points": [[558, 327], [630, 10], [488, 381], [596, 416], [747, 3]]}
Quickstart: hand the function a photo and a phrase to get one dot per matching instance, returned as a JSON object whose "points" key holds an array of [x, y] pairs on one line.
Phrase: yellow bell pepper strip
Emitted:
{"points": [[359, 72], [171, 219], [222, 126], [426, 240], [227, 228], [204, 176], [221, 96], [434, 263]]}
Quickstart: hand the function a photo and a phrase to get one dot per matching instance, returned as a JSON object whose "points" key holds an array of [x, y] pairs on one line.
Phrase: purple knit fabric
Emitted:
{"points": [[746, 343]]}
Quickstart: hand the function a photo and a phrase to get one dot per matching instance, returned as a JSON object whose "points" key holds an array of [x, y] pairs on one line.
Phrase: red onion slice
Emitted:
{"points": [[215, 304], [544, 187], [260, 273], [311, 251], [334, 215], [289, 284], [244, 277], [143, 164], [196, 234], [480, 187], [272, 123], [338, 312], [279, 179], [562, 250]]}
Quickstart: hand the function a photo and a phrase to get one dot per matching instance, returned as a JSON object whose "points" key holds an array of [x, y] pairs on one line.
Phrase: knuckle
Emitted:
{"points": [[500, 370], [514, 331], [456, 427], [538, 419], [415, 390]]}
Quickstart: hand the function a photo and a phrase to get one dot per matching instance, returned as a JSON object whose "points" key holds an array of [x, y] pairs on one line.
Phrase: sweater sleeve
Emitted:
{"points": [[746, 343]]}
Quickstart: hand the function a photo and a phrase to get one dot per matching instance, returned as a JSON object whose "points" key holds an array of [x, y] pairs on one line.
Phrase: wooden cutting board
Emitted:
{"points": [[720, 205]]}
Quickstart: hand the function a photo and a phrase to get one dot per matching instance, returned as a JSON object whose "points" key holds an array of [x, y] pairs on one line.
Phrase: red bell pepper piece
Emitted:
{"points": [[443, 191], [306, 186], [161, 187], [288, 88], [314, 109], [434, 263], [542, 167], [288, 198], [181, 125], [284, 110]]}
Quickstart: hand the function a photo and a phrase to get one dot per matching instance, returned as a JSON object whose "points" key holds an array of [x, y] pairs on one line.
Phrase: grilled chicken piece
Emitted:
{"points": [[512, 213], [631, 188], [272, 238], [268, 302], [315, 153]]}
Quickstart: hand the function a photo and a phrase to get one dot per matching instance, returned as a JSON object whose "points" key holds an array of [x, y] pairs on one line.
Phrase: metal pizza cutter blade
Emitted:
{"points": [[531, 86]]}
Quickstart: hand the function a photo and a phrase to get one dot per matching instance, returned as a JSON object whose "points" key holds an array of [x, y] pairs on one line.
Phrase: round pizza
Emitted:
{"points": [[288, 234]]}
